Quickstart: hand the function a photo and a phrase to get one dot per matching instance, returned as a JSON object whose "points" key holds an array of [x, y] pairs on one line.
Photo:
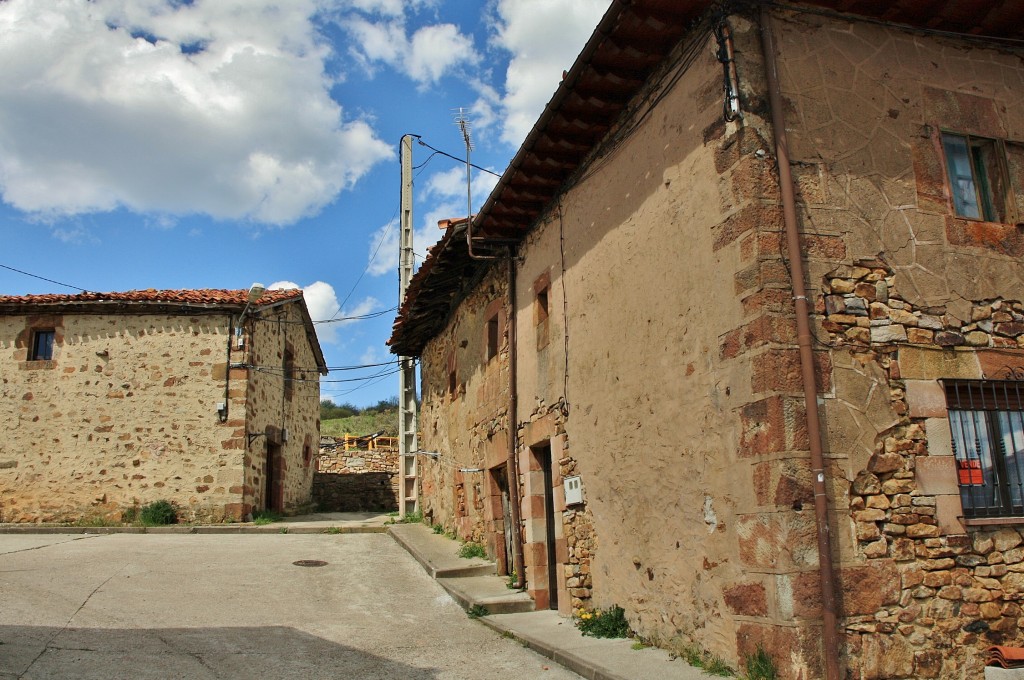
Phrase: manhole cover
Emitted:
{"points": [[309, 563]]}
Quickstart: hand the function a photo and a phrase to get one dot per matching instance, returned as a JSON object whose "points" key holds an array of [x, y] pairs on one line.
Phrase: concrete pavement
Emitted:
{"points": [[467, 582], [474, 582], [238, 606]]}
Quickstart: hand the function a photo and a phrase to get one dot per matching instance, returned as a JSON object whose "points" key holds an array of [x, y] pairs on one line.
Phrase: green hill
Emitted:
{"points": [[338, 420]]}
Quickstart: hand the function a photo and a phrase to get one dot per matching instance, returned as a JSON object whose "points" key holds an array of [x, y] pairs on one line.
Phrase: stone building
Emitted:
{"points": [[113, 400], [755, 288]]}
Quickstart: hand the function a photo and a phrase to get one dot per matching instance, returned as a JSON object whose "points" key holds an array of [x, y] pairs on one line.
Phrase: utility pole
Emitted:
{"points": [[407, 426]]}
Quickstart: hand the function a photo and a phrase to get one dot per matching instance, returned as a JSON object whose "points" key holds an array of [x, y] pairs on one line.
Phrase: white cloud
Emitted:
{"points": [[451, 185], [544, 38], [423, 237], [375, 354], [173, 108], [322, 302], [430, 53]]}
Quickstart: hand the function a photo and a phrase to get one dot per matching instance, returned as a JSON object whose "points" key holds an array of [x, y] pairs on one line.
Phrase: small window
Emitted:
{"points": [[977, 174], [542, 306], [986, 419], [492, 338], [42, 345], [541, 309]]}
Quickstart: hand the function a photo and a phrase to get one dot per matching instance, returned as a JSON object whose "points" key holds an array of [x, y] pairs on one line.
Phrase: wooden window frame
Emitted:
{"points": [[984, 195]]}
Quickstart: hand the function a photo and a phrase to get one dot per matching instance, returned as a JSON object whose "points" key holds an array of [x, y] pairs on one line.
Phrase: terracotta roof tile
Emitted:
{"points": [[208, 296]]}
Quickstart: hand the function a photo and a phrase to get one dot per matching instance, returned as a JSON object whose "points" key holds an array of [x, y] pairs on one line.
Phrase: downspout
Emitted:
{"points": [[513, 428], [828, 597], [227, 372]]}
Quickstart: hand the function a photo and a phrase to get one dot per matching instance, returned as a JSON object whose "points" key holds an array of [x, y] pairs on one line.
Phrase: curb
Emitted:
{"points": [[576, 664], [281, 529]]}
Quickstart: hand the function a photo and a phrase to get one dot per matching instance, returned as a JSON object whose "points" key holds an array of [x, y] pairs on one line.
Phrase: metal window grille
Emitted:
{"points": [[986, 419]]}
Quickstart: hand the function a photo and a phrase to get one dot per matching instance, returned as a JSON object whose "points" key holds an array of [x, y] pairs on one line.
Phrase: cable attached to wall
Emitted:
{"points": [[730, 78]]}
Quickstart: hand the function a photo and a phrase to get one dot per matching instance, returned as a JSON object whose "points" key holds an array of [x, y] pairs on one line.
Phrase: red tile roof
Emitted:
{"points": [[209, 296]]}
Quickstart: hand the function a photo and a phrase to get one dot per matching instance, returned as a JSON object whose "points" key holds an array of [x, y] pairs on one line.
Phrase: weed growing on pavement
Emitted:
{"points": [[476, 611], [760, 666], [158, 513], [263, 517], [332, 530], [471, 550], [511, 582], [284, 530], [410, 518], [438, 528], [705, 660], [603, 623], [639, 645]]}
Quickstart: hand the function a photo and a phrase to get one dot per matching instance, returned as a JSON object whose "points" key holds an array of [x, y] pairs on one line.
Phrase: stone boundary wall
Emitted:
{"points": [[355, 480]]}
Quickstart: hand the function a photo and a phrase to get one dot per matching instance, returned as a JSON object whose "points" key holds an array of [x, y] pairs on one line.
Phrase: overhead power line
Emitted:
{"points": [[43, 278], [455, 158]]}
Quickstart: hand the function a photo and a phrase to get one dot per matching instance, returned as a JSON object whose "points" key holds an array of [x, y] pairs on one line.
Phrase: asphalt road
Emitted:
{"points": [[235, 606]]}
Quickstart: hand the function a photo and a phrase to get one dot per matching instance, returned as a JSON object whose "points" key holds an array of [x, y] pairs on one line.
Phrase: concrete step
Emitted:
{"points": [[489, 592], [438, 554]]}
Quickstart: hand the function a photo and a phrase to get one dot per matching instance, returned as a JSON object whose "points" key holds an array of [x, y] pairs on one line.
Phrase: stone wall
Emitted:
{"points": [[275, 405], [355, 480], [938, 592], [464, 417], [906, 294], [124, 414]]}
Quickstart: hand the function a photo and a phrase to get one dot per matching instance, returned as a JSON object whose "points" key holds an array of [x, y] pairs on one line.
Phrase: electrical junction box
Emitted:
{"points": [[573, 490]]}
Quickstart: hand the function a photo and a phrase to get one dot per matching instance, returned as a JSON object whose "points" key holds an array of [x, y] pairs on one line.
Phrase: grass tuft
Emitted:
{"points": [[158, 513], [472, 550], [603, 623], [760, 666], [476, 611]]}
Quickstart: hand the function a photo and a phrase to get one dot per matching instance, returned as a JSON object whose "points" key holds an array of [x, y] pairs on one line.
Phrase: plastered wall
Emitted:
{"points": [[666, 375]]}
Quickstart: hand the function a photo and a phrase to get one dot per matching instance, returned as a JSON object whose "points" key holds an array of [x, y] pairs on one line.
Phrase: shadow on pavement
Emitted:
{"points": [[158, 653]]}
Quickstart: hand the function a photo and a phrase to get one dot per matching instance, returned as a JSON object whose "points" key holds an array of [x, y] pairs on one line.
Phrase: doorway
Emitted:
{"points": [[499, 475], [271, 495], [542, 457]]}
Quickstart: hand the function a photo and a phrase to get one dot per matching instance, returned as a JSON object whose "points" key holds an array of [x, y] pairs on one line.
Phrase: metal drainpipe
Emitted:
{"points": [[828, 597], [227, 371], [513, 427]]}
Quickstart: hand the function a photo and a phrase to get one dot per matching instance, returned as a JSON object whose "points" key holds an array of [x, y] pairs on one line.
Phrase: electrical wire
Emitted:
{"points": [[383, 237], [271, 369], [456, 158], [43, 278], [340, 319]]}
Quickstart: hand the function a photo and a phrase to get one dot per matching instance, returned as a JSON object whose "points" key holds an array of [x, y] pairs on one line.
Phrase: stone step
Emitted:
{"points": [[489, 592]]}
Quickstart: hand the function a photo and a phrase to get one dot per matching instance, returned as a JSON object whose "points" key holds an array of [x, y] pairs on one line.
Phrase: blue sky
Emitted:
{"points": [[214, 143]]}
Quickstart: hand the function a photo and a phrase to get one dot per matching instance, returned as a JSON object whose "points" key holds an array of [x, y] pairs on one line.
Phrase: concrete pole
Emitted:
{"points": [[407, 445]]}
